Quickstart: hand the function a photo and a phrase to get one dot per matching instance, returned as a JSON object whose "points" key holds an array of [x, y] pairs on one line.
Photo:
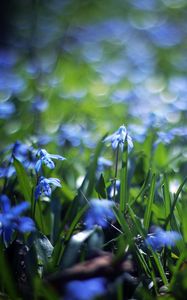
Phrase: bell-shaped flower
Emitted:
{"points": [[10, 219], [46, 159], [45, 185], [117, 139]]}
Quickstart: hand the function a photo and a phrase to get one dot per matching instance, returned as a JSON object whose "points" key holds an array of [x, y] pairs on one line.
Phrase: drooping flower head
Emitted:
{"points": [[45, 186], [11, 220], [85, 289], [46, 159], [99, 213], [118, 138], [161, 238]]}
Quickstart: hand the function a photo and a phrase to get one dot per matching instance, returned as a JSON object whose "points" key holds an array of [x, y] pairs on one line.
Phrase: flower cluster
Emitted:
{"points": [[11, 220], [118, 138]]}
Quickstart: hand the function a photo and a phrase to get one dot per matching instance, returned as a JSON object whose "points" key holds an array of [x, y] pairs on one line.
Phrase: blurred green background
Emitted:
{"points": [[93, 64]]}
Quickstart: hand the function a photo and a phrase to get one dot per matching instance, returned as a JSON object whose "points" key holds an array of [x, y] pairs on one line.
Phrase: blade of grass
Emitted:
{"points": [[142, 261], [6, 277], [123, 224], [137, 223], [159, 267], [182, 258], [184, 220], [71, 229], [124, 179], [23, 180], [175, 202], [147, 216], [143, 188], [93, 168], [167, 200]]}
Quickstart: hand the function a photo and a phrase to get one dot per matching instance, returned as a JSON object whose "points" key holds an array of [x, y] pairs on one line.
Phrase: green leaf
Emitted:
{"points": [[44, 247], [123, 179], [6, 277], [74, 246], [147, 216], [184, 220], [160, 267], [137, 222], [143, 188], [23, 179], [71, 229], [160, 156], [167, 200], [100, 187], [175, 201], [93, 168]]}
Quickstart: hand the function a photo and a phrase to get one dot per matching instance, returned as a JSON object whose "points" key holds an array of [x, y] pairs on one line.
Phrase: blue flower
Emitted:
{"points": [[118, 138], [7, 171], [75, 135], [39, 105], [44, 186], [10, 219], [110, 190], [103, 164], [164, 137], [46, 159], [6, 110], [161, 238], [85, 289], [99, 213]]}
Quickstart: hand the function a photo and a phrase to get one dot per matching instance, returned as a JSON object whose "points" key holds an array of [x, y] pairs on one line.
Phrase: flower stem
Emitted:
{"points": [[124, 179], [116, 171]]}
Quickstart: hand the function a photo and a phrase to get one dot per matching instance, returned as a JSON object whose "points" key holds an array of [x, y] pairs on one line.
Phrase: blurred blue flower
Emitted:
{"points": [[160, 238], [118, 138], [110, 190], [99, 213], [6, 110], [85, 289], [43, 139], [7, 171], [103, 164], [23, 152], [39, 105], [46, 159], [10, 219], [165, 137], [75, 135], [44, 186]]}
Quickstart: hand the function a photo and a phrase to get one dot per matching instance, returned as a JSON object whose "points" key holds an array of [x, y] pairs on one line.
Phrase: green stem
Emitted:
{"points": [[116, 171], [124, 180]]}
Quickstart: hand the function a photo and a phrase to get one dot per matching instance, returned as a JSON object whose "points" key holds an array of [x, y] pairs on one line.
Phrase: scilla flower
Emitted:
{"points": [[160, 238], [118, 138], [45, 186], [86, 289], [46, 159], [99, 213], [11, 220]]}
